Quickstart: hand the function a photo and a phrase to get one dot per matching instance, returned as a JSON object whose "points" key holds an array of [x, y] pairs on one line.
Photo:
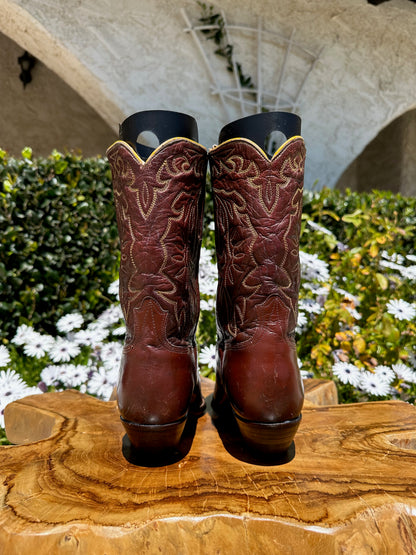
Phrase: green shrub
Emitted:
{"points": [[58, 237], [357, 298]]}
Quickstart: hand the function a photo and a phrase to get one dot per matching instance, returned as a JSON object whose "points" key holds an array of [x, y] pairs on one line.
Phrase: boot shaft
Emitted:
{"points": [[258, 203], [159, 206]]}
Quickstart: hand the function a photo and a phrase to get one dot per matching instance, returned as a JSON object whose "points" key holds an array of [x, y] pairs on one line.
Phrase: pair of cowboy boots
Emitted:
{"points": [[159, 198]]}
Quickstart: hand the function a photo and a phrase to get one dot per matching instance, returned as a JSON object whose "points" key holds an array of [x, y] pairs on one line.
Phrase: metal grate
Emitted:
{"points": [[278, 63]]}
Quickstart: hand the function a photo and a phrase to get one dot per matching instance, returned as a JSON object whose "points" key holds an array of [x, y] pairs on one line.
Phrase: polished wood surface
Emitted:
{"points": [[74, 486]]}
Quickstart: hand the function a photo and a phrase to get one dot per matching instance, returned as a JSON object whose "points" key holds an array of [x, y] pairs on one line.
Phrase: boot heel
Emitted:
{"points": [[268, 438], [155, 439]]}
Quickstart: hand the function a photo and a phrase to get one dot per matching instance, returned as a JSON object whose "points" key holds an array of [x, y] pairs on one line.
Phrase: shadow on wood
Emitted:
{"points": [[351, 486]]}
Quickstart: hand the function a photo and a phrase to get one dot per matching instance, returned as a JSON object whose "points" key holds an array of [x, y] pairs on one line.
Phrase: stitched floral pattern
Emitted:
{"points": [[258, 205], [159, 214]]}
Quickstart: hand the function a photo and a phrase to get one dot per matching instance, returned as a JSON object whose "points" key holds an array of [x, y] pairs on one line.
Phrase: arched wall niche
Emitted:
{"points": [[81, 112], [47, 113], [388, 162]]}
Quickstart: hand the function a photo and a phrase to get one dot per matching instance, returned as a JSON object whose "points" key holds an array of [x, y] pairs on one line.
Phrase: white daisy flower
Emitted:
{"points": [[208, 356], [91, 336], [11, 383], [51, 374], [205, 257], [312, 267], [412, 357], [23, 333], [374, 385], [402, 310], [208, 273], [354, 313], [121, 330], [318, 290], [208, 305], [63, 350], [74, 375], [69, 322], [113, 374], [110, 316], [385, 373], [318, 227], [207, 286], [404, 372], [391, 265], [305, 375], [347, 373], [114, 288], [395, 257], [111, 354], [409, 272], [101, 383], [301, 322], [4, 356], [101, 332], [37, 345], [411, 257], [309, 305]]}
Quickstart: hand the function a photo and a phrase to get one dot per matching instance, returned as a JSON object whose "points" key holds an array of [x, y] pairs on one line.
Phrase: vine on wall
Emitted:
{"points": [[211, 17]]}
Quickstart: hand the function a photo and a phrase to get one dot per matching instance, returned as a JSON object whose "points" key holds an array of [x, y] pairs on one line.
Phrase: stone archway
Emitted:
{"points": [[23, 28], [388, 162], [47, 113]]}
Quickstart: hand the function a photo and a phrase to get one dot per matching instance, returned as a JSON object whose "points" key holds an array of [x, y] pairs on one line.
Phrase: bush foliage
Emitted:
{"points": [[58, 237], [368, 243]]}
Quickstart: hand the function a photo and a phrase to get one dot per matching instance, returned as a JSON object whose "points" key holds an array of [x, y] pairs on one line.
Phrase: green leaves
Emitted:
{"points": [[365, 238], [382, 281], [27, 153], [356, 218], [58, 237]]}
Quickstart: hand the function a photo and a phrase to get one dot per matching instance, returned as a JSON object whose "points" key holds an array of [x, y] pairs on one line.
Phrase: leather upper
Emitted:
{"points": [[159, 207], [258, 204]]}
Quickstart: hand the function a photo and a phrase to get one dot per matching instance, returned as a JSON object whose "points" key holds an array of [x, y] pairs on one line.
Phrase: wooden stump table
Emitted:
{"points": [[73, 486]]}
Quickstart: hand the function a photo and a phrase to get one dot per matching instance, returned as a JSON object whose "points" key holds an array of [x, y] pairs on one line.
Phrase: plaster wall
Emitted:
{"points": [[133, 56]]}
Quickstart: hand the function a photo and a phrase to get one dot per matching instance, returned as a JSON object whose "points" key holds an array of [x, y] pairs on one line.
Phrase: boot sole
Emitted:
{"points": [[260, 437], [157, 439], [266, 438]]}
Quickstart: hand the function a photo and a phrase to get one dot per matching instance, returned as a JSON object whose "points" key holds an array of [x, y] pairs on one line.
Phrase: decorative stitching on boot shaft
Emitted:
{"points": [[258, 205], [159, 207]]}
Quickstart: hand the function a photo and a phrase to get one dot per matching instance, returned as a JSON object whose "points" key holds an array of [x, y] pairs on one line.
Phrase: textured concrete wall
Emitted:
{"points": [[128, 56], [47, 114]]}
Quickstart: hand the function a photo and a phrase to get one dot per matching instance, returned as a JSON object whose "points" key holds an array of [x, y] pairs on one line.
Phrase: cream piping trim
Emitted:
{"points": [[162, 145], [249, 141]]}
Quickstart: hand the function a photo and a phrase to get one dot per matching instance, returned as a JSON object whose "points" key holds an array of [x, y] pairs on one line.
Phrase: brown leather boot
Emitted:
{"points": [[159, 204], [258, 203]]}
